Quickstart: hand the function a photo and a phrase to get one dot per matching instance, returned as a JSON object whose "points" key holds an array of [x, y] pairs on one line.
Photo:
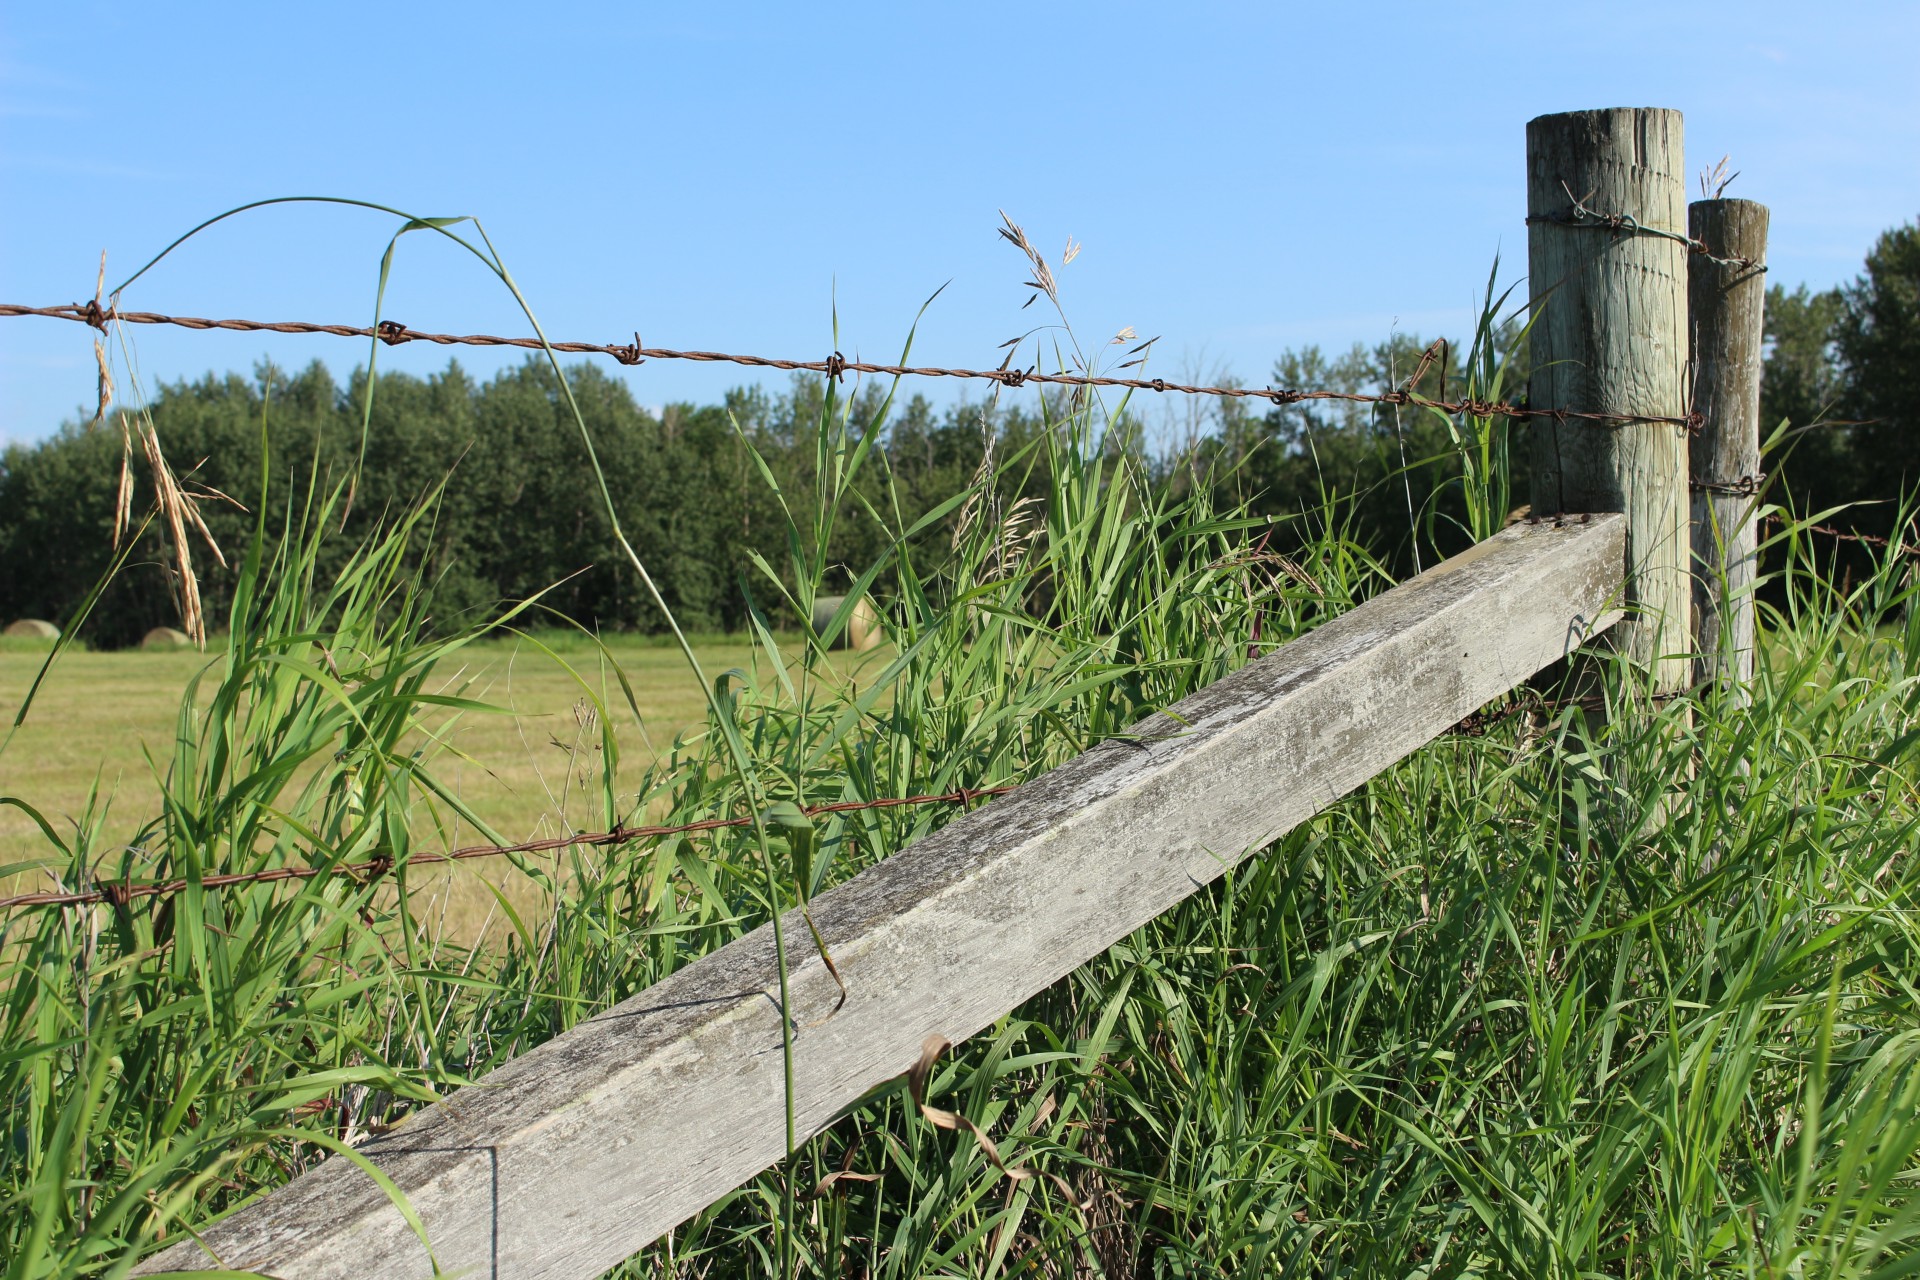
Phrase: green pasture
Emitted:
{"points": [[103, 723]]}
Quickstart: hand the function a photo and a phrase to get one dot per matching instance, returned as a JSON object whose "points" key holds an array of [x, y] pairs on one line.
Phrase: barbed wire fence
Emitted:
{"points": [[1900, 547], [836, 366], [121, 892]]}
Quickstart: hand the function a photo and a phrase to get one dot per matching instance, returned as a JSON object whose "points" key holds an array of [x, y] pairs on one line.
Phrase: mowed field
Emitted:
{"points": [[530, 770]]}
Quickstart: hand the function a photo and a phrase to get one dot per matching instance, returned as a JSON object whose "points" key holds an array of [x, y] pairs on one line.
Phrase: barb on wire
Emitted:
{"points": [[1744, 487], [1480, 723], [837, 365], [121, 892], [1626, 224]]}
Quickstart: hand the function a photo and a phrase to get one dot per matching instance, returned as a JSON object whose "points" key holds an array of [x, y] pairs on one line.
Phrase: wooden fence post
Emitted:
{"points": [[1607, 262], [1726, 293]]}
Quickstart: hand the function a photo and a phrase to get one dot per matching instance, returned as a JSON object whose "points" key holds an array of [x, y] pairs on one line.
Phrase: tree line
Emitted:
{"points": [[517, 512], [1843, 373]]}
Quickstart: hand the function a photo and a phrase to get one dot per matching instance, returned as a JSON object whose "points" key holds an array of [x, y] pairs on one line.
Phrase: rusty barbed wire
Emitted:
{"points": [[1846, 535], [1744, 487], [122, 892], [1483, 722], [837, 365], [1626, 224]]}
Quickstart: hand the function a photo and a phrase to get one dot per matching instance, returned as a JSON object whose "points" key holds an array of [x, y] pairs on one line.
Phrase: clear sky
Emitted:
{"points": [[1243, 177]]}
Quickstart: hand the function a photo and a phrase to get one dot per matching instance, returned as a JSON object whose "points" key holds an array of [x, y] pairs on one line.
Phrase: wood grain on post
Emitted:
{"points": [[572, 1157], [1609, 300], [1727, 299]]}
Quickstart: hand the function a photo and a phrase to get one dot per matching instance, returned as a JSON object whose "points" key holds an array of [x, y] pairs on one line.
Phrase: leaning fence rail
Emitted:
{"points": [[582, 1151]]}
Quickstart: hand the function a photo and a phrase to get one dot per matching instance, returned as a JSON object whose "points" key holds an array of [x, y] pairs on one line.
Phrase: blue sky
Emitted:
{"points": [[1243, 178]]}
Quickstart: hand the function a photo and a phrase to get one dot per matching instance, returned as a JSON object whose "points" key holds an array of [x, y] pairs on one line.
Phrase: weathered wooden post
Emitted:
{"points": [[1607, 261], [1726, 296]]}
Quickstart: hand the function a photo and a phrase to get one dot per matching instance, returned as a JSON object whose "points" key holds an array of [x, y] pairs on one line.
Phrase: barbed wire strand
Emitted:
{"points": [[837, 365], [1744, 487], [1845, 535], [1580, 216], [1525, 702], [121, 892]]}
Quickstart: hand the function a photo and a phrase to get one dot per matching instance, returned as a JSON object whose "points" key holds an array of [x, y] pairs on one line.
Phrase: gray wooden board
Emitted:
{"points": [[582, 1151]]}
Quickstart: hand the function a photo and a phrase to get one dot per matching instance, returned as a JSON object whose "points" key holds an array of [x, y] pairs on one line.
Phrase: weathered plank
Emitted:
{"points": [[572, 1157], [1610, 336]]}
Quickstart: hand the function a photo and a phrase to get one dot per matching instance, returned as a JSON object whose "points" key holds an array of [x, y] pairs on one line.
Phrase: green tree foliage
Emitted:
{"points": [[1878, 336], [1843, 376], [516, 518], [1802, 380], [1394, 472], [1801, 386]]}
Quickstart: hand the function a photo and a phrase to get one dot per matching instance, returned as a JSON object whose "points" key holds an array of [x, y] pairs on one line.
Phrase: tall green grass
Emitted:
{"points": [[1629, 996]]}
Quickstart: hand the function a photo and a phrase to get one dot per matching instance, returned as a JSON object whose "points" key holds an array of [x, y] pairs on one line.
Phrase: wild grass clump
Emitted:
{"points": [[1630, 995], [176, 1054]]}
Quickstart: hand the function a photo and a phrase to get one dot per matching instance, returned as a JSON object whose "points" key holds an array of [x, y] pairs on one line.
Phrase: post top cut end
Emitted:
{"points": [[1595, 113]]}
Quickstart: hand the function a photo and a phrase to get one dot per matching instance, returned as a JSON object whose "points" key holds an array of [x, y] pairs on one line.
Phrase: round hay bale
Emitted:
{"points": [[33, 629], [862, 631], [863, 628], [165, 638]]}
